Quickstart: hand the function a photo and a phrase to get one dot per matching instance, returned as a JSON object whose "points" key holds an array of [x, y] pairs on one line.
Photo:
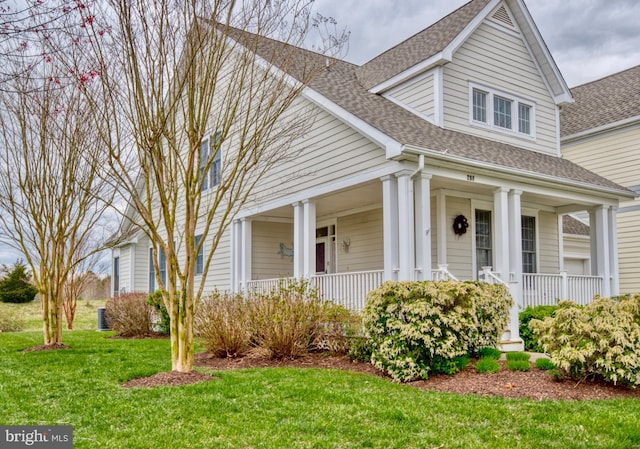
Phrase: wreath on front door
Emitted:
{"points": [[460, 225]]}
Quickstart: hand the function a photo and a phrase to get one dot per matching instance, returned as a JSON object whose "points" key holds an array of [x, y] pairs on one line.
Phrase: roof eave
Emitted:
{"points": [[452, 158]]}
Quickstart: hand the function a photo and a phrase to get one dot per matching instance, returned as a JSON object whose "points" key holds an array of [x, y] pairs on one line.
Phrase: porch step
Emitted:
{"points": [[511, 345]]}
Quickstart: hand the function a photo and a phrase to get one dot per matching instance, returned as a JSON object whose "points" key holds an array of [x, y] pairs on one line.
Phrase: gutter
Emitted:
{"points": [[474, 163]]}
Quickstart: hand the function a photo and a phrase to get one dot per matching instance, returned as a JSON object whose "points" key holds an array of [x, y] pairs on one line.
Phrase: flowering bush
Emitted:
{"points": [[600, 340], [420, 327]]}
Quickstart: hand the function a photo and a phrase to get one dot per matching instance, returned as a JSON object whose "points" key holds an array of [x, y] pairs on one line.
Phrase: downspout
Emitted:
{"points": [[420, 166]]}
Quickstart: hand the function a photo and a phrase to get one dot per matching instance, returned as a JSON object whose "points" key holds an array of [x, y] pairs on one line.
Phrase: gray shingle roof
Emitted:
{"points": [[341, 84], [571, 225], [419, 47], [602, 102]]}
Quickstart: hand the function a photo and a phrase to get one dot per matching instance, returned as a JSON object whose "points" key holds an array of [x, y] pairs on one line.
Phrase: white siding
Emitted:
{"points": [[628, 251], [615, 155], [459, 247], [141, 281], [417, 95], [330, 151], [365, 232], [125, 272], [501, 61], [266, 262], [549, 256]]}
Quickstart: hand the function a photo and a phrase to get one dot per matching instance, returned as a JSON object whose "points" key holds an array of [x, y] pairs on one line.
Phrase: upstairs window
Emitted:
{"points": [[501, 111], [211, 178]]}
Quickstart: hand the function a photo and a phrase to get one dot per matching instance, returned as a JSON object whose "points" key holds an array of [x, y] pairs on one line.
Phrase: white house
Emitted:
{"points": [[601, 131], [439, 157]]}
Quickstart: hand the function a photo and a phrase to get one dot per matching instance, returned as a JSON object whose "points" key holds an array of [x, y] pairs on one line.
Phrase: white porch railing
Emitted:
{"points": [[547, 289], [350, 289], [347, 289]]}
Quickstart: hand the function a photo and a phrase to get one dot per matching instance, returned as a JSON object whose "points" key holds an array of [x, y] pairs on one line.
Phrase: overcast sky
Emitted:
{"points": [[588, 39]]}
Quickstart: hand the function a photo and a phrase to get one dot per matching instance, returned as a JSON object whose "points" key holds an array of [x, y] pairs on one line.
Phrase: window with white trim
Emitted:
{"points": [[529, 244], [501, 111], [484, 245], [211, 178], [162, 262], [199, 256]]}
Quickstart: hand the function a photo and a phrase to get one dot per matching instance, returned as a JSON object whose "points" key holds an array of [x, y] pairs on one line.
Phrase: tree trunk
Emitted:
{"points": [[182, 343]]}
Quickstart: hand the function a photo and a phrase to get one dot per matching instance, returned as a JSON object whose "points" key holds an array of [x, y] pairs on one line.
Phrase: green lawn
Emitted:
{"points": [[275, 408], [30, 314]]}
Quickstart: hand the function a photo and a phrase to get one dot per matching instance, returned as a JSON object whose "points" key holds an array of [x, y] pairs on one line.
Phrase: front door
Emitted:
{"points": [[321, 255]]}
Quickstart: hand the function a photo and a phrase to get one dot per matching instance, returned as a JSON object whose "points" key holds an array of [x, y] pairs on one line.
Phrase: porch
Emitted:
{"points": [[350, 289], [348, 239]]}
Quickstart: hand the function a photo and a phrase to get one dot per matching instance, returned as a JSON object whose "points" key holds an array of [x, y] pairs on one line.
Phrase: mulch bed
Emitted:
{"points": [[168, 379], [534, 384], [46, 348]]}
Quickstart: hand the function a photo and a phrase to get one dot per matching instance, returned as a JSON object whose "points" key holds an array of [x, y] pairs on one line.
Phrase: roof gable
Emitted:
{"points": [[436, 45], [602, 103]]}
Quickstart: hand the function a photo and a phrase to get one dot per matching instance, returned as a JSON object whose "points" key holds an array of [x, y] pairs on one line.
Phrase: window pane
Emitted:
{"points": [[479, 106], [116, 276], [152, 273], [501, 112], [524, 118], [484, 257], [163, 266], [204, 157], [199, 256], [529, 245]]}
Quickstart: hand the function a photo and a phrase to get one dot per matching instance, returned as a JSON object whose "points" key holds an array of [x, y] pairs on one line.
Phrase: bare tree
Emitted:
{"points": [[51, 197], [196, 103]]}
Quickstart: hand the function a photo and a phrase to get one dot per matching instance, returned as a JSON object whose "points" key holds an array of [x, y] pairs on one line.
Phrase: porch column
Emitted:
{"points": [[298, 240], [613, 251], [390, 226], [236, 256], [422, 189], [514, 278], [406, 249], [309, 238], [599, 220], [245, 252], [441, 216], [501, 233]]}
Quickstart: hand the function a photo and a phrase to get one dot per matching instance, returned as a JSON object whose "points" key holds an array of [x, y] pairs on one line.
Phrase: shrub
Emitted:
{"points": [[517, 356], [533, 313], [360, 349], [487, 365], [600, 340], [288, 322], [15, 286], [161, 321], [544, 364], [129, 314], [491, 353], [418, 326], [556, 374], [518, 365], [223, 324]]}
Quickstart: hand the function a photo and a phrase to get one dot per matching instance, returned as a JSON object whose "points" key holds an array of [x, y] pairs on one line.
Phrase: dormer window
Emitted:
{"points": [[501, 111]]}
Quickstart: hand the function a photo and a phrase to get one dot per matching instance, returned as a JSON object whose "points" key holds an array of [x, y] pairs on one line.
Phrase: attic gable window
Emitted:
{"points": [[207, 147], [501, 111]]}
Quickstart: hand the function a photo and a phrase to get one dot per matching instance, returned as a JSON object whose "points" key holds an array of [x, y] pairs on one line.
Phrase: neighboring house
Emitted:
{"points": [[601, 131], [440, 157]]}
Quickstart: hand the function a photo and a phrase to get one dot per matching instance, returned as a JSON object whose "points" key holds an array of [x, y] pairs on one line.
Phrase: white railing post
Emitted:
{"points": [[564, 285]]}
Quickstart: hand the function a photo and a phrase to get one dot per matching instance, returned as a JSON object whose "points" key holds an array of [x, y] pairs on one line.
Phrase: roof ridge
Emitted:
{"points": [[606, 77], [419, 47]]}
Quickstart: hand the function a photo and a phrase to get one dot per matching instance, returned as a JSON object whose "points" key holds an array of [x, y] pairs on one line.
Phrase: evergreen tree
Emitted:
{"points": [[15, 286]]}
